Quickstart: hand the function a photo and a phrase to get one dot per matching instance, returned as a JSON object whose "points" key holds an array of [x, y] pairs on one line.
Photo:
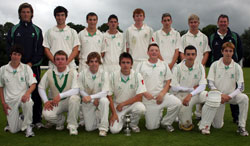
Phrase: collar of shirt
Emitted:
{"points": [[10, 69], [222, 65], [143, 26], [60, 73], [184, 67], [86, 33], [192, 35], [128, 77], [90, 75], [221, 35], [167, 34], [112, 35], [153, 65], [24, 23], [61, 30]]}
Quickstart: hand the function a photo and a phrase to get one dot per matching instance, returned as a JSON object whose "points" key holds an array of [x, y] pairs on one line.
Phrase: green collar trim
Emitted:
{"points": [[94, 77], [226, 67], [60, 89], [91, 35], [112, 36], [14, 71], [124, 80], [190, 69], [154, 65]]}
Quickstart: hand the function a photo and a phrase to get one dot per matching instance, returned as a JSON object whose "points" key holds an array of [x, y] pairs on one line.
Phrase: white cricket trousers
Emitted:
{"points": [[14, 121], [96, 117], [153, 115], [70, 105], [215, 115], [136, 110], [185, 114]]}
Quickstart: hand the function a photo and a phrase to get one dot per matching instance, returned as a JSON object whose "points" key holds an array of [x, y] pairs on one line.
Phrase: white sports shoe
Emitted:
{"points": [[73, 131], [7, 128], [29, 132], [242, 131], [205, 131], [102, 133], [60, 125], [169, 128], [135, 129]]}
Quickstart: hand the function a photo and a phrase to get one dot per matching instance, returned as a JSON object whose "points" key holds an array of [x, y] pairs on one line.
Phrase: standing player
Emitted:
{"points": [[127, 87], [224, 34], [91, 40], [113, 45], [62, 83], [16, 85], [138, 37], [168, 40], [223, 76], [189, 83], [157, 77], [94, 87], [30, 37], [197, 39], [61, 37]]}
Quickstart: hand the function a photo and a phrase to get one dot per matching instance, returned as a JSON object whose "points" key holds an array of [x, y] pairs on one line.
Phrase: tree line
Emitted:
{"points": [[207, 30]]}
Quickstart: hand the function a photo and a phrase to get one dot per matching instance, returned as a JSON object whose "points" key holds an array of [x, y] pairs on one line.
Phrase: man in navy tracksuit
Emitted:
{"points": [[216, 40], [29, 36]]}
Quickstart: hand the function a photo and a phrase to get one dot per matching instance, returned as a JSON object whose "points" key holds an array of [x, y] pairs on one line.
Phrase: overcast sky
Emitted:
{"points": [[208, 11]]}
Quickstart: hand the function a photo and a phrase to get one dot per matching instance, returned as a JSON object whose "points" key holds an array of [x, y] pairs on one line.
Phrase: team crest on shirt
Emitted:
{"points": [[200, 43], [132, 86], [133, 40], [219, 76], [146, 35], [22, 79], [196, 76], [161, 73], [230, 41], [119, 44], [67, 37], [99, 41], [232, 76], [119, 88], [183, 78], [100, 85], [172, 41], [33, 35]]}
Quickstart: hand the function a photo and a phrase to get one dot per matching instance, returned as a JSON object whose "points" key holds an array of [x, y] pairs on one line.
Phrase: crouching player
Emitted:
{"points": [[94, 87], [16, 85], [127, 87], [188, 84], [157, 77], [226, 77], [62, 96]]}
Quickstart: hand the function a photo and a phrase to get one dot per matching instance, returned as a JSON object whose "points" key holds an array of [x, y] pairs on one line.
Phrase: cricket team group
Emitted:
{"points": [[133, 73]]}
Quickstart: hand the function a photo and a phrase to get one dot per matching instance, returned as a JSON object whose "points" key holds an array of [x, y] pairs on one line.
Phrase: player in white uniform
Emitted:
{"points": [[62, 83], [138, 37], [199, 40], [16, 85], [168, 40], [223, 76], [188, 84], [126, 88], [91, 40], [94, 87], [113, 45], [157, 77], [61, 37]]}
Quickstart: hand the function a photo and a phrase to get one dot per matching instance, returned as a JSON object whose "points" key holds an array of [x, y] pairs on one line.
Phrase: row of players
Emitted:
{"points": [[112, 43], [144, 91]]}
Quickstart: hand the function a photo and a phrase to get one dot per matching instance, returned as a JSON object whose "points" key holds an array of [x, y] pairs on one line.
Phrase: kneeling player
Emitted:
{"points": [[16, 85], [157, 77], [127, 88], [94, 87], [223, 76], [63, 97], [189, 84]]}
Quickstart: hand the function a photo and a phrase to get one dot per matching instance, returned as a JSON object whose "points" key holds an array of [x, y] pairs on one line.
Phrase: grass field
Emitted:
{"points": [[219, 137]]}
